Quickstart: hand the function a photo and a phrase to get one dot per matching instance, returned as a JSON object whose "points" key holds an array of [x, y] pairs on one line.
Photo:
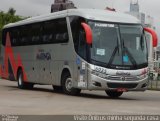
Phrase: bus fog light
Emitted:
{"points": [[144, 85], [97, 84]]}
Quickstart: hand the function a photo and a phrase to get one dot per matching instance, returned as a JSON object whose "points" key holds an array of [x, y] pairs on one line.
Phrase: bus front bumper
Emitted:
{"points": [[98, 83]]}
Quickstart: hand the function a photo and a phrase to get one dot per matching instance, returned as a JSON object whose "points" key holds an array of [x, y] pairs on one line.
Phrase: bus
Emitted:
{"points": [[77, 49]]}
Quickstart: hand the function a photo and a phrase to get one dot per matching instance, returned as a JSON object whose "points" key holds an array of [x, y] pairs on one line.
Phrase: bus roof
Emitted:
{"points": [[93, 14]]}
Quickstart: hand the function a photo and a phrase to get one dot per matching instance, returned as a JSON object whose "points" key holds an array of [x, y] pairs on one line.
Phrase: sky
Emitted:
{"points": [[38, 7]]}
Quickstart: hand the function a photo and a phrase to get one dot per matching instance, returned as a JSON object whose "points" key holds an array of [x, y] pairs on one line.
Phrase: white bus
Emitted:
{"points": [[79, 49]]}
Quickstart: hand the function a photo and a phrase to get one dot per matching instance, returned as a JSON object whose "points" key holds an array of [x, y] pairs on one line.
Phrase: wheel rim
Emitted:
{"points": [[68, 84], [20, 79]]}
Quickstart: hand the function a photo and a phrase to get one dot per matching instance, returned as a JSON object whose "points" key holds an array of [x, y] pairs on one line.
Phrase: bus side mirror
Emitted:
{"points": [[88, 33], [153, 34]]}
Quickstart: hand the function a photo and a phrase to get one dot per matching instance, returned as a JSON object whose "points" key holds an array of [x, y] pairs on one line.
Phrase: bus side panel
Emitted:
{"points": [[42, 63], [11, 61], [62, 57], [27, 55], [2, 62]]}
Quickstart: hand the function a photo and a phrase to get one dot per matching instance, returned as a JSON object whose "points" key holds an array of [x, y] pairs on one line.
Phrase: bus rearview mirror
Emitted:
{"points": [[153, 34], [88, 33]]}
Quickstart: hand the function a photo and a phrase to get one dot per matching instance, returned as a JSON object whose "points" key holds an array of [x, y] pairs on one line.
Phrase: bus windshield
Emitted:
{"points": [[118, 46]]}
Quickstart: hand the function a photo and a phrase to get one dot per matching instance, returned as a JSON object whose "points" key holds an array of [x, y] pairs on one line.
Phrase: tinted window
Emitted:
{"points": [[14, 34], [82, 44], [53, 31], [3, 37], [61, 34], [35, 34], [78, 35], [48, 34]]}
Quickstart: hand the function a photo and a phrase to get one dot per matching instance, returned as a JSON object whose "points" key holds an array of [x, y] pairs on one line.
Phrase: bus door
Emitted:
{"points": [[82, 65]]}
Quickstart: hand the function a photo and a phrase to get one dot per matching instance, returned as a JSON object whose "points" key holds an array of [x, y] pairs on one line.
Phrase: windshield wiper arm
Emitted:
{"points": [[113, 54]]}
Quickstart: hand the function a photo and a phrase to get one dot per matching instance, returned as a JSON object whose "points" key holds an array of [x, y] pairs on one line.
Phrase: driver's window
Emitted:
{"points": [[78, 35], [82, 45]]}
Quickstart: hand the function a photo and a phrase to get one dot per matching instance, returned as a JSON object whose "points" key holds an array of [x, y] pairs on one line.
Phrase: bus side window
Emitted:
{"points": [[36, 34], [48, 32], [82, 45], [61, 35], [23, 40], [4, 37], [14, 34], [55, 31]]}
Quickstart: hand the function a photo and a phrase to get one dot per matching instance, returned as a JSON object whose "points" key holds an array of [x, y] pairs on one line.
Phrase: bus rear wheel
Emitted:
{"points": [[113, 94], [21, 83], [67, 85]]}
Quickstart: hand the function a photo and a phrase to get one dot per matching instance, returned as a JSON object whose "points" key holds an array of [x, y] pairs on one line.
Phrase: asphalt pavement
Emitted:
{"points": [[42, 100]]}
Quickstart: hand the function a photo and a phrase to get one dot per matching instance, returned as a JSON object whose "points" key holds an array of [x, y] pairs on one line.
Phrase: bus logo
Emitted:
{"points": [[123, 78], [42, 55]]}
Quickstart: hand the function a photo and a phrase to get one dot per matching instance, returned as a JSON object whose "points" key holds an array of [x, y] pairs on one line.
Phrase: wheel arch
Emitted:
{"points": [[18, 69], [65, 70]]}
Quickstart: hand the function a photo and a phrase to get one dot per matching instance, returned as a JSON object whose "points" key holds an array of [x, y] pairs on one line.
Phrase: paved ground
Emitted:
{"points": [[43, 101]]}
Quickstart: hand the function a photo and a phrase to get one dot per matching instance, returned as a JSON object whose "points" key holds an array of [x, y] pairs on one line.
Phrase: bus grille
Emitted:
{"points": [[119, 78], [119, 85]]}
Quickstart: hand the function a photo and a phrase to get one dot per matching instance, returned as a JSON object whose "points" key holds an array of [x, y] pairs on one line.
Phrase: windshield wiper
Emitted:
{"points": [[113, 54]]}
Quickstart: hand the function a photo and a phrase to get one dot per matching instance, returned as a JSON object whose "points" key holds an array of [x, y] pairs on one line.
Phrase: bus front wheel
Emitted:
{"points": [[113, 94], [21, 83], [67, 85]]}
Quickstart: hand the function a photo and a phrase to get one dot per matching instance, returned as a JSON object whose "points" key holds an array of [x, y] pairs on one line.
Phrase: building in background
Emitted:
{"points": [[134, 11], [59, 5], [150, 22], [134, 6]]}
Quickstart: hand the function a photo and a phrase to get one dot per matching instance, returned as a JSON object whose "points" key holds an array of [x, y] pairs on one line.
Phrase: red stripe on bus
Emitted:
{"points": [[15, 62]]}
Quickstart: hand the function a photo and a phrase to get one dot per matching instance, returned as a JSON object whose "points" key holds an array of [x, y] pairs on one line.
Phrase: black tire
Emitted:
{"points": [[57, 88], [21, 83], [66, 80], [113, 94]]}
